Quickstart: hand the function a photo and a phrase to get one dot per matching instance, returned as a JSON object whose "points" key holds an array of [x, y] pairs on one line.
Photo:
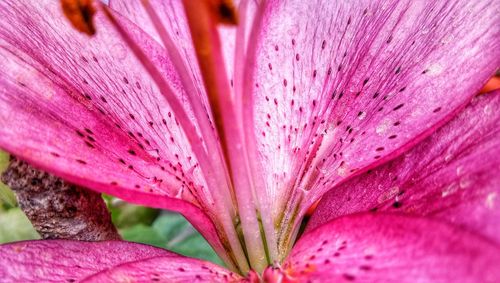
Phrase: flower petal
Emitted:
{"points": [[392, 248], [223, 96], [84, 103], [166, 269], [67, 261], [172, 16], [341, 86], [451, 175], [84, 109], [135, 12]]}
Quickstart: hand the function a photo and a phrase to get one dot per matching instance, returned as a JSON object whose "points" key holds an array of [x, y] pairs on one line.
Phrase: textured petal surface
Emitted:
{"points": [[452, 175], [342, 86], [135, 12], [87, 91], [166, 269], [392, 248], [67, 261], [85, 109], [173, 18]]}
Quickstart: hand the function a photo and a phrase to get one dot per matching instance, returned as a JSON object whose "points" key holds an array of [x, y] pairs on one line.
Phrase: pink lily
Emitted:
{"points": [[242, 129]]}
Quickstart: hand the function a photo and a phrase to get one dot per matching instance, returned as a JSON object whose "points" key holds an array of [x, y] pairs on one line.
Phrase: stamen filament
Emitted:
{"points": [[220, 170], [246, 56], [207, 44], [208, 134], [192, 136]]}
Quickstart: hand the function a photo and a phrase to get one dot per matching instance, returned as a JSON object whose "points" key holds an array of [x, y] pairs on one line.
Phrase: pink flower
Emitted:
{"points": [[243, 128]]}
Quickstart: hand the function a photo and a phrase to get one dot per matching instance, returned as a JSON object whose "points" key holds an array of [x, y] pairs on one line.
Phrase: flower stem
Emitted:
{"points": [[56, 209]]}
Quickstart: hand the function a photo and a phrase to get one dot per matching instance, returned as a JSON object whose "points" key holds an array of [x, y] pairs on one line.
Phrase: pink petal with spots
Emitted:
{"points": [[172, 16], [86, 110], [135, 12], [392, 248], [341, 86], [452, 175], [166, 269], [173, 19], [67, 261]]}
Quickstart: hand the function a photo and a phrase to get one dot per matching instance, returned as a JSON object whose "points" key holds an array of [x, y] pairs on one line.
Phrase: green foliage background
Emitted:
{"points": [[135, 223]]}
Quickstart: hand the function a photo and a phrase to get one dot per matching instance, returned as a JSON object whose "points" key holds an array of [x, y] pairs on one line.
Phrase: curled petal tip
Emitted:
{"points": [[80, 13]]}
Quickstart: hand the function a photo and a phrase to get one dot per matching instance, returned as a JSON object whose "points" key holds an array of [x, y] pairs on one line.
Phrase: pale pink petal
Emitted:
{"points": [[166, 269], [86, 110], [341, 86], [173, 19], [391, 248], [67, 261], [452, 175], [135, 12]]}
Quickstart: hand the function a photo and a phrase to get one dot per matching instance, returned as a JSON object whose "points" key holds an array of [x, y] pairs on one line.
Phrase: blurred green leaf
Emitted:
{"points": [[182, 238], [141, 233], [15, 226], [171, 225], [126, 215], [196, 246], [4, 160], [7, 197], [173, 232], [130, 215]]}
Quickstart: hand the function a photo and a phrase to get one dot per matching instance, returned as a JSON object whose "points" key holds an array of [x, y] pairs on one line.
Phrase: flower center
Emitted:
{"points": [[227, 153]]}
